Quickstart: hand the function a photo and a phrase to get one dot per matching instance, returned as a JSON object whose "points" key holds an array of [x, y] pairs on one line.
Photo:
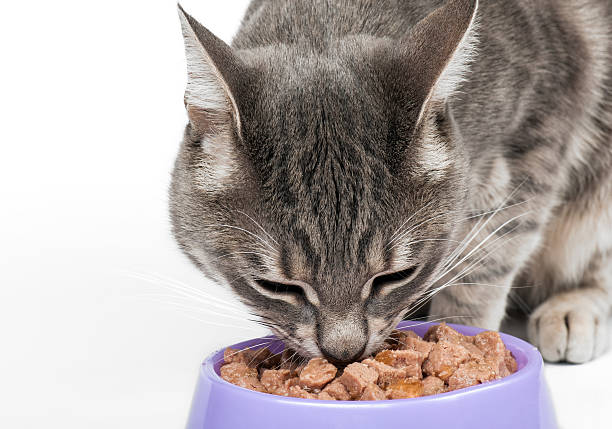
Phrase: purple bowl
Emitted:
{"points": [[519, 401]]}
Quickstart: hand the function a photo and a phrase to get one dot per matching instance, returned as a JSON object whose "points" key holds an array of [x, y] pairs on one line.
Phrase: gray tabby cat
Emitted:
{"points": [[347, 160]]}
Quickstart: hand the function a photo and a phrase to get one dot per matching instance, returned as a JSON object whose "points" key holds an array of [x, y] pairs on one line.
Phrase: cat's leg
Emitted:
{"points": [[573, 278]]}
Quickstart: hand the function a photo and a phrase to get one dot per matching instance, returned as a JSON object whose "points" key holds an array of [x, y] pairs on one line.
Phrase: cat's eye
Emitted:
{"points": [[280, 288], [398, 278]]}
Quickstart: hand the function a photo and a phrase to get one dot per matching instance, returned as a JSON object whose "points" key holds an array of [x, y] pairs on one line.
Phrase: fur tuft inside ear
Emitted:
{"points": [[459, 64], [440, 49], [208, 98]]}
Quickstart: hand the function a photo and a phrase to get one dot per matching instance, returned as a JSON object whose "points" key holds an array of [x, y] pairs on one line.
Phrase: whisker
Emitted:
{"points": [[440, 319], [272, 356], [392, 238], [481, 244], [474, 265], [418, 318], [416, 306], [490, 285], [290, 359], [462, 246], [254, 358], [500, 209], [196, 300], [425, 323], [176, 285], [265, 343], [410, 243], [197, 309], [259, 226], [405, 233], [207, 300], [469, 269], [220, 325], [246, 231], [521, 303], [263, 255], [471, 235]]}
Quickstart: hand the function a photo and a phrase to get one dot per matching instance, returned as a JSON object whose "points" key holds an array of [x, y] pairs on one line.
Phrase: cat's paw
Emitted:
{"points": [[568, 328]]}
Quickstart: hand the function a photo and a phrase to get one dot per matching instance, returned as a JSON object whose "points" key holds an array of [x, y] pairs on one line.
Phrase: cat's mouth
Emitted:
{"points": [[296, 344]]}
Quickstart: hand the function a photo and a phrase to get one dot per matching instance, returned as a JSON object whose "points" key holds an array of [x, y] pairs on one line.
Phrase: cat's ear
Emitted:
{"points": [[440, 48], [212, 68]]}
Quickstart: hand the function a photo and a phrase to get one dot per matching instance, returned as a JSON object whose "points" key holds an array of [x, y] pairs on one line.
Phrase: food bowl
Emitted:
{"points": [[518, 401]]}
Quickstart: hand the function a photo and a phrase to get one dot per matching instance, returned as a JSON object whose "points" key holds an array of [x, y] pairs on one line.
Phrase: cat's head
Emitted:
{"points": [[324, 185]]}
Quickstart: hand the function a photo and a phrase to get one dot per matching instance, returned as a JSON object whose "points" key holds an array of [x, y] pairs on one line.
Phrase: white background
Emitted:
{"points": [[91, 118]]}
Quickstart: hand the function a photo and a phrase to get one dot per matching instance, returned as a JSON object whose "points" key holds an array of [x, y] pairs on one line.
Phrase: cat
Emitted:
{"points": [[347, 161]]}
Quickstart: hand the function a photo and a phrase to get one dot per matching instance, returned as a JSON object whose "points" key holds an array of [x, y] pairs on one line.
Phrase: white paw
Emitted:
{"points": [[568, 328]]}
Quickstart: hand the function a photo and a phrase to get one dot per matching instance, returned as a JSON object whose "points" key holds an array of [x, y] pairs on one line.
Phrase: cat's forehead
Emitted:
{"points": [[321, 139], [301, 84]]}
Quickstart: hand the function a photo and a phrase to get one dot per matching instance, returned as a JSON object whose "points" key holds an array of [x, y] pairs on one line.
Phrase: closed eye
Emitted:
{"points": [[280, 288], [398, 278]]}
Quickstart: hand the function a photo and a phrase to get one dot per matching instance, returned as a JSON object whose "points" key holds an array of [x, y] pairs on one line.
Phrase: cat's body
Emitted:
{"points": [[509, 144]]}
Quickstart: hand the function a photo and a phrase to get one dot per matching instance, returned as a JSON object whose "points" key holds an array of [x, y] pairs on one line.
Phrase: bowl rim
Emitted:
{"points": [[531, 368]]}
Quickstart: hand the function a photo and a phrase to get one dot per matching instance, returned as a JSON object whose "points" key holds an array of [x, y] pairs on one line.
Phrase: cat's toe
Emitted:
{"points": [[602, 337], [581, 337], [548, 332], [566, 331]]}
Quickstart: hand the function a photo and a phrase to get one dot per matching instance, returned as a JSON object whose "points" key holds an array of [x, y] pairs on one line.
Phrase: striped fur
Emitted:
{"points": [[463, 146]]}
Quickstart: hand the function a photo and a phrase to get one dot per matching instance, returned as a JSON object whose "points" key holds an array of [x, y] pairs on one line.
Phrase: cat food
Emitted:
{"points": [[407, 366]]}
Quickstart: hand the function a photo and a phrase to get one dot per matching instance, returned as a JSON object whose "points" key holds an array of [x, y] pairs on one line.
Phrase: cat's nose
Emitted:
{"points": [[342, 340], [342, 356]]}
